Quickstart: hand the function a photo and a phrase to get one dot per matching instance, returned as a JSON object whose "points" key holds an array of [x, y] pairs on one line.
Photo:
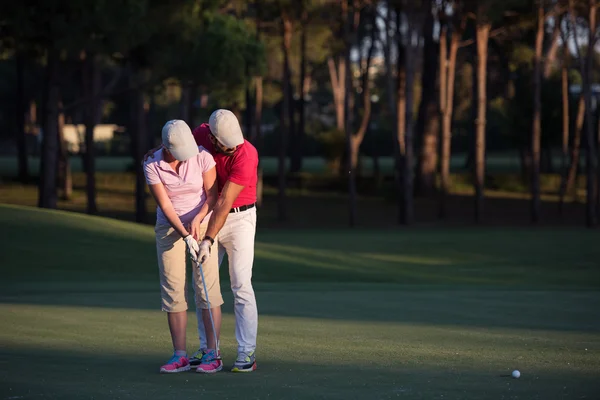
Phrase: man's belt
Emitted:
{"points": [[242, 208]]}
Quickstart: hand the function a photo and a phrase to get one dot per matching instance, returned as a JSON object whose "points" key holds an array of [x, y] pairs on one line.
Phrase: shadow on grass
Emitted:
{"points": [[564, 311], [41, 373], [473, 277]]}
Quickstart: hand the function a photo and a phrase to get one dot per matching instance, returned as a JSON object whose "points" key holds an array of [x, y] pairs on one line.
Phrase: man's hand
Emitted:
{"points": [[194, 227], [192, 247], [150, 154], [204, 251]]}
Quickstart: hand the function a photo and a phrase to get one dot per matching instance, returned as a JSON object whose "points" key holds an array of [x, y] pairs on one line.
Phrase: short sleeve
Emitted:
{"points": [[151, 174], [207, 161]]}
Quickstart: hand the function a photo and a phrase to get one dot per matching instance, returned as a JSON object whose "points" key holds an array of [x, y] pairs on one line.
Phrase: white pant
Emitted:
{"points": [[237, 239]]}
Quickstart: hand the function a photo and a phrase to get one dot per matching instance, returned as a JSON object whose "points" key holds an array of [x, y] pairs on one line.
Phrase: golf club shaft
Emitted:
{"points": [[212, 322]]}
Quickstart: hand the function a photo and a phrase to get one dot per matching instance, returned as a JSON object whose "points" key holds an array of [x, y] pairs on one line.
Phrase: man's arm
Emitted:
{"points": [[229, 193], [150, 153], [212, 193]]}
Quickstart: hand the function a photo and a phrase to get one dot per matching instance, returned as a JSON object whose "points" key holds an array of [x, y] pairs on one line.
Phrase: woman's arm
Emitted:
{"points": [[211, 189], [162, 199]]}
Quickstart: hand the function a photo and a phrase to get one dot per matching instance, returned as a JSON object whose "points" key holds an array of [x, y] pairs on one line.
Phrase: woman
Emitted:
{"points": [[182, 180]]}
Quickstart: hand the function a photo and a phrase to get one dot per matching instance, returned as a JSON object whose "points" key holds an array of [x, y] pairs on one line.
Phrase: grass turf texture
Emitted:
{"points": [[419, 314]]}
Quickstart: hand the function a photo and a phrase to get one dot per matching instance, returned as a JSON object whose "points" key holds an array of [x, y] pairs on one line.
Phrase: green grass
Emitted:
{"points": [[416, 314]]}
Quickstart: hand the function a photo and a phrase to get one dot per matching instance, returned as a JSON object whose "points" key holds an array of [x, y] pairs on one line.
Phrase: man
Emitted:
{"points": [[234, 220]]}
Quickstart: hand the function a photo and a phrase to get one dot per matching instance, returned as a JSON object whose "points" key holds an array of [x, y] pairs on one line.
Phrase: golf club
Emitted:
{"points": [[212, 322]]}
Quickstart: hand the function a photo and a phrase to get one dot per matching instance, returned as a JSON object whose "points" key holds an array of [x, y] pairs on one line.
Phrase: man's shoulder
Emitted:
{"points": [[152, 161], [202, 137], [249, 150], [201, 130]]}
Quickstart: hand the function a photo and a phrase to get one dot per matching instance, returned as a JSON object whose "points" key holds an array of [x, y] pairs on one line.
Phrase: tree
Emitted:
{"points": [[357, 138], [29, 27], [565, 116], [256, 136], [47, 189], [541, 71], [585, 64], [65, 181], [447, 83], [536, 132], [286, 37], [20, 117], [482, 29], [91, 88], [415, 11], [196, 29], [299, 131], [400, 114], [428, 120]]}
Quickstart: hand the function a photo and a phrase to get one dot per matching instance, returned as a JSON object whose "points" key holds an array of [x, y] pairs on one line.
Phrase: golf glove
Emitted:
{"points": [[204, 251], [192, 247]]}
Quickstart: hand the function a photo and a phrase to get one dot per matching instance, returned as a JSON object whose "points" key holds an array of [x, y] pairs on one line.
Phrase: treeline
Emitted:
{"points": [[413, 79]]}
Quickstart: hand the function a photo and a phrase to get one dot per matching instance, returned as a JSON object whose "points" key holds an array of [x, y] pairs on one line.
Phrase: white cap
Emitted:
{"points": [[225, 127], [178, 139]]}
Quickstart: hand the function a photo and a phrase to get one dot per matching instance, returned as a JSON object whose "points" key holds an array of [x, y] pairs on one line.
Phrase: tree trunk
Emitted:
{"points": [[338, 77], [400, 115], [400, 119], [448, 110], [286, 32], [142, 147], [470, 161], [598, 172], [408, 173], [258, 104], [348, 41], [65, 181], [20, 115], [48, 166], [586, 72], [483, 32], [139, 145], [552, 50], [184, 102], [258, 139], [358, 137], [93, 77], [592, 157], [536, 132], [392, 90], [249, 112], [292, 136], [569, 184], [387, 45], [31, 126], [565, 135], [298, 150], [428, 120], [445, 141]]}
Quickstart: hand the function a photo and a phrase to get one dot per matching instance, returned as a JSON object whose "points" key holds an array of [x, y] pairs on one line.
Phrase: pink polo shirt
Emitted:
{"points": [[185, 189]]}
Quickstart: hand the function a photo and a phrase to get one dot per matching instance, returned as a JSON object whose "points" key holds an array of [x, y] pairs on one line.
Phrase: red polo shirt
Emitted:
{"points": [[240, 168]]}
